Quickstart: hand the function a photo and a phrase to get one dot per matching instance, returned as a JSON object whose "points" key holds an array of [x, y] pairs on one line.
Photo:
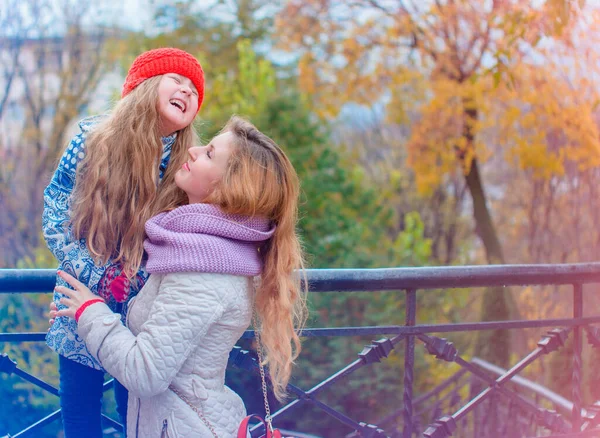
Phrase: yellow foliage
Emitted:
{"points": [[307, 76], [455, 101]]}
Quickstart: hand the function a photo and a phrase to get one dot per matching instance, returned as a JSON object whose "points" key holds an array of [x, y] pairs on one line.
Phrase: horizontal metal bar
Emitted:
{"points": [[444, 277], [386, 330], [22, 337], [443, 328], [27, 280], [344, 280]]}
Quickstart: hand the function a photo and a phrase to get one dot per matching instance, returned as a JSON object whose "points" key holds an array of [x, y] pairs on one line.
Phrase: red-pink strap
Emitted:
{"points": [[85, 306], [243, 430]]}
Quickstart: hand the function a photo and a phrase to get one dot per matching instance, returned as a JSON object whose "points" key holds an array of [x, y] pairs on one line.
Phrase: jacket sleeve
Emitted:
{"points": [[57, 212], [183, 311], [72, 254]]}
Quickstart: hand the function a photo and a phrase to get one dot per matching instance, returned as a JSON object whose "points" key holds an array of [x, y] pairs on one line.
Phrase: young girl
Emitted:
{"points": [[240, 223], [113, 176]]}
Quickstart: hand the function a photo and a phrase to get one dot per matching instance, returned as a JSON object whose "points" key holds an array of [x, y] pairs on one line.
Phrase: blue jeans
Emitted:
{"points": [[81, 399]]}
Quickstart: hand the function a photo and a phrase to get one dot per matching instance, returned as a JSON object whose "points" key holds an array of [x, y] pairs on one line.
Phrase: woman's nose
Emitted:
{"points": [[194, 151]]}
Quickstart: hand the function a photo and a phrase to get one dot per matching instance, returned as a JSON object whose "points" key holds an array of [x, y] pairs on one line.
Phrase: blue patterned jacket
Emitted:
{"points": [[72, 254]]}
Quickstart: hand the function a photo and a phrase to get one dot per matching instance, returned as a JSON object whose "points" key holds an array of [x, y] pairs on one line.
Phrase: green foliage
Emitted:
{"points": [[210, 31], [41, 258], [247, 94]]}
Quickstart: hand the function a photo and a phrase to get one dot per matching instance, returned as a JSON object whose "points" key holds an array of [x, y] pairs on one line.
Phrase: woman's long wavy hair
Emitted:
{"points": [[260, 180], [117, 188]]}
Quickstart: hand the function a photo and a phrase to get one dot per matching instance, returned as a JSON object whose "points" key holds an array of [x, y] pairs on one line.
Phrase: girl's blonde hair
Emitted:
{"points": [[117, 187], [260, 180]]}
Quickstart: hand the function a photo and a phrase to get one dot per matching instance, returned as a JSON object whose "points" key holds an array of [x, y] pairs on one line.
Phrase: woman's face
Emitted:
{"points": [[205, 167], [177, 103]]}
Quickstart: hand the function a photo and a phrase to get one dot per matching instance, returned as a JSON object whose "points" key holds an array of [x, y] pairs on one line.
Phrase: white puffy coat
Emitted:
{"points": [[182, 327]]}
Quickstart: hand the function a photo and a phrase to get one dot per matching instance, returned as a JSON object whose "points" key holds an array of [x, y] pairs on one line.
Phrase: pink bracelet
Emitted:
{"points": [[85, 305]]}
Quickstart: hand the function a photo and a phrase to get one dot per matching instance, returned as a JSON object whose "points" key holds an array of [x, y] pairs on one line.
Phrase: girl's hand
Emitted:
{"points": [[74, 299]]}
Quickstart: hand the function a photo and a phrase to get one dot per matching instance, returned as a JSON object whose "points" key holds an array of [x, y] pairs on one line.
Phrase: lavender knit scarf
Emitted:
{"points": [[201, 238]]}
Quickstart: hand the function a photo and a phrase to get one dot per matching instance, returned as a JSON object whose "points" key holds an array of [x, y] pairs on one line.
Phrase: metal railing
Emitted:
{"points": [[492, 392]]}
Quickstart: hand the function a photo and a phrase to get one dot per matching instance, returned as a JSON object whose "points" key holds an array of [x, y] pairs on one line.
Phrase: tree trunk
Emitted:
{"points": [[483, 219], [493, 345]]}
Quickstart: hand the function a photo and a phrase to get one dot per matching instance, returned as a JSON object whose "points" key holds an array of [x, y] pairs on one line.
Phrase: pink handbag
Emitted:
{"points": [[243, 430]]}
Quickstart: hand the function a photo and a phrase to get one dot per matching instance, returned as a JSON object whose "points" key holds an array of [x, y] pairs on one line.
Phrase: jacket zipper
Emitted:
{"points": [[164, 434]]}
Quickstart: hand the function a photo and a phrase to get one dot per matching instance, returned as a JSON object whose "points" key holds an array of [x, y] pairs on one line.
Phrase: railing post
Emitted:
{"points": [[577, 352], [409, 363]]}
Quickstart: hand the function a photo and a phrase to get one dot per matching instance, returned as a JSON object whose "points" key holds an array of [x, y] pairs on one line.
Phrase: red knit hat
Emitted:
{"points": [[166, 60]]}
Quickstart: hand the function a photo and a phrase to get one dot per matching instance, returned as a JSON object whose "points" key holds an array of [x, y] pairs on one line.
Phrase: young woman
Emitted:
{"points": [[114, 175], [232, 249]]}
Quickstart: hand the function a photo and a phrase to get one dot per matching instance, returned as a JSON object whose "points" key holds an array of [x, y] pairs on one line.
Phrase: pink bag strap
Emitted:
{"points": [[243, 430], [270, 431]]}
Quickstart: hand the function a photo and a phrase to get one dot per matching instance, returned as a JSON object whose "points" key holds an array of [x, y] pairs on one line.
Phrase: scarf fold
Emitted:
{"points": [[201, 238]]}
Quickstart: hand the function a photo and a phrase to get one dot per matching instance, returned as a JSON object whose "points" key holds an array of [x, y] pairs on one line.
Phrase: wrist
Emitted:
{"points": [[85, 306]]}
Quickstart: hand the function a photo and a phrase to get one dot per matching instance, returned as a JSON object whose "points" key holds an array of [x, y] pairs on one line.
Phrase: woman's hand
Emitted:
{"points": [[74, 299], [52, 313]]}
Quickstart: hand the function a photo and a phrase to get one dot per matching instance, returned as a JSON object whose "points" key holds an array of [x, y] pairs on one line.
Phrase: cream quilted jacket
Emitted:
{"points": [[182, 327]]}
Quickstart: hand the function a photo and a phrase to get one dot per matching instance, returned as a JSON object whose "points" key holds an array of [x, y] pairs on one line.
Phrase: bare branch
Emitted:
{"points": [[57, 70]]}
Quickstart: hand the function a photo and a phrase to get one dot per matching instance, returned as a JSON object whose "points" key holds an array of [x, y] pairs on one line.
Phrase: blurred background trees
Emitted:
{"points": [[424, 133]]}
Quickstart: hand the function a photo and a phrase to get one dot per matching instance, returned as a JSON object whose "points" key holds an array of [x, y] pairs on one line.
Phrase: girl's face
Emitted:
{"points": [[205, 167], [177, 103]]}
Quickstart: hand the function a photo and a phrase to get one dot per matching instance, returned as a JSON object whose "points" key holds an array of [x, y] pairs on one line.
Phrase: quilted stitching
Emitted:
{"points": [[186, 324]]}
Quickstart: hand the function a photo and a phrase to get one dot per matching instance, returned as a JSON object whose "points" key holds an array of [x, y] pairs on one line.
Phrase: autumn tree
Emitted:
{"points": [[546, 129], [432, 62]]}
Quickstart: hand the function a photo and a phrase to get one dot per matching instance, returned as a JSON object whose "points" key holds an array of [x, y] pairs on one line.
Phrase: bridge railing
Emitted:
{"points": [[497, 403]]}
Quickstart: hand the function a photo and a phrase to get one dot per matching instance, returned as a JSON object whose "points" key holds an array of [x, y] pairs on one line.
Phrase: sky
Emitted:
{"points": [[129, 14], [137, 14]]}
